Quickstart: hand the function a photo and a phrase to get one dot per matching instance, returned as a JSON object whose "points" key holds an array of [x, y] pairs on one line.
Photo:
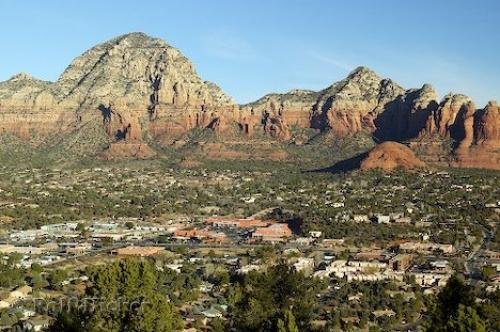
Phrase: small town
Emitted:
{"points": [[232, 227], [245, 166]]}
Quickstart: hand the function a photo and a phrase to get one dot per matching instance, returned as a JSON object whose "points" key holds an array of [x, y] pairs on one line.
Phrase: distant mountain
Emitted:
{"points": [[135, 95]]}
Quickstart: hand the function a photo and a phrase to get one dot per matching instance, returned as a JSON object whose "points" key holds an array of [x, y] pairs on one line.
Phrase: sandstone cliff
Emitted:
{"points": [[140, 90], [277, 113], [480, 146], [352, 105], [28, 107], [137, 86]]}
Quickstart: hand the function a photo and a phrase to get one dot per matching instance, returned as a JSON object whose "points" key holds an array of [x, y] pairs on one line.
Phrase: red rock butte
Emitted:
{"points": [[389, 156]]}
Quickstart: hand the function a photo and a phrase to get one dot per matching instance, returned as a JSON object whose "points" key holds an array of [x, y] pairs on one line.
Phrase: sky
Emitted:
{"points": [[251, 48]]}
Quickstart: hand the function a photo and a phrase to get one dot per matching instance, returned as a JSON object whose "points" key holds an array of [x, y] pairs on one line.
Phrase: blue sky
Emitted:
{"points": [[251, 48]]}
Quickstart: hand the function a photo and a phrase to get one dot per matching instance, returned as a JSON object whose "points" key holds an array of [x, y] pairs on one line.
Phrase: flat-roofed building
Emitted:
{"points": [[138, 251], [273, 233]]}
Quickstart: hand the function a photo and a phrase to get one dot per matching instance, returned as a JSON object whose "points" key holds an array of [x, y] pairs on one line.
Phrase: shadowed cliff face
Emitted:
{"points": [[405, 117], [366, 103], [142, 89]]}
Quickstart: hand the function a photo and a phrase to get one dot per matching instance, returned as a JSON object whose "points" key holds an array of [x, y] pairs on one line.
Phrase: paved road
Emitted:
{"points": [[476, 259]]}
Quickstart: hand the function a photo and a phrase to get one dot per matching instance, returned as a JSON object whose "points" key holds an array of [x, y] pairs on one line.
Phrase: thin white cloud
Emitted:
{"points": [[227, 45], [329, 60]]}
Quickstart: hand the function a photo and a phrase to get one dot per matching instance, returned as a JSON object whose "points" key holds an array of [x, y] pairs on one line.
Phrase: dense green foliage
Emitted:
{"points": [[279, 299], [454, 214], [456, 309], [10, 274], [128, 300]]}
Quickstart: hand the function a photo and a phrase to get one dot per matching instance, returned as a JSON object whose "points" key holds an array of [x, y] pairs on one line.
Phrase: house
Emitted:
{"points": [[429, 279], [400, 262], [315, 234], [426, 247], [175, 267], [48, 259], [304, 241], [49, 246], [493, 254], [28, 235], [360, 218], [304, 264], [4, 304], [75, 248], [354, 320], [403, 220], [396, 215], [204, 235], [104, 227], [367, 265], [206, 287], [440, 264], [9, 249], [382, 219], [57, 229], [247, 268], [332, 242], [212, 313], [372, 255], [495, 263], [115, 236], [26, 313], [215, 237]]}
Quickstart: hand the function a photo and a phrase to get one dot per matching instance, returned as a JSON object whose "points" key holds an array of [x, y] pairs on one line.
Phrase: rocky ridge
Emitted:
{"points": [[142, 90]]}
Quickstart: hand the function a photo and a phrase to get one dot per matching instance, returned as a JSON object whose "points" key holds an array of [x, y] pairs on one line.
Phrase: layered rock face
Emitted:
{"points": [[447, 119], [389, 156], [28, 108], [138, 85], [353, 104], [364, 102], [344, 108], [407, 115], [473, 132], [142, 72], [480, 146], [141, 89], [487, 130], [277, 113]]}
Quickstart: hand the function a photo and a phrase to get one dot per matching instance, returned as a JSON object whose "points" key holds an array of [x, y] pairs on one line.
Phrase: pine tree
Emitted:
{"points": [[466, 320], [288, 323]]}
